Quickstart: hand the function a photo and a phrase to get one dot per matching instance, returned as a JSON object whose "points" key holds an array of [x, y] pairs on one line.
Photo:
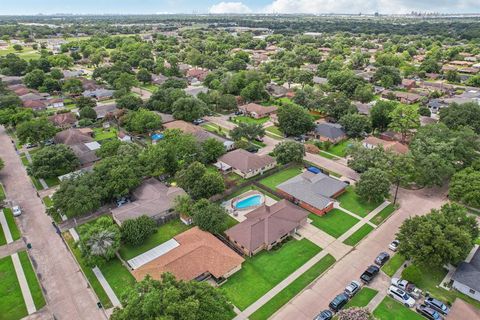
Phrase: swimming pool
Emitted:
{"points": [[252, 201]]}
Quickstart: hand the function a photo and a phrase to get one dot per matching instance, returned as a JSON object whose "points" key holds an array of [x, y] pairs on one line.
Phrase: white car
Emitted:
{"points": [[16, 211], [394, 245], [352, 288], [401, 296], [399, 283]]}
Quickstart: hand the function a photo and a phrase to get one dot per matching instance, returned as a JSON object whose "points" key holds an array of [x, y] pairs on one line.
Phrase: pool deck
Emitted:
{"points": [[240, 214]]}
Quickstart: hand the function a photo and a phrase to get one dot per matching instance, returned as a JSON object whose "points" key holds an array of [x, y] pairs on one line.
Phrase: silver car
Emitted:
{"points": [[16, 211]]}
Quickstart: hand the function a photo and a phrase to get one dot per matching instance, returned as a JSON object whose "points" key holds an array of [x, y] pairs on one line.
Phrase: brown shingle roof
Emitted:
{"points": [[61, 119], [199, 252], [245, 161], [265, 224], [394, 146], [258, 109], [72, 137]]}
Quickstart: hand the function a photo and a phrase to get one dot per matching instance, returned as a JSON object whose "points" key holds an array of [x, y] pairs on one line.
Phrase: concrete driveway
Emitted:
{"points": [[66, 290], [318, 295]]}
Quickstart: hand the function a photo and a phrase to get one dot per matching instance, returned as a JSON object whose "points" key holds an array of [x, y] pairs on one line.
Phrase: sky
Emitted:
{"points": [[23, 7]]}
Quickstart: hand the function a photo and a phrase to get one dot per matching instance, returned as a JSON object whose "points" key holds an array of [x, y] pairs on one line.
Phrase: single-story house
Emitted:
{"points": [[257, 111], [276, 91], [159, 79], [266, 226], [99, 94], [461, 310], [403, 97], [195, 90], [320, 80], [312, 191], [199, 133], [363, 108], [104, 109], [63, 120], [409, 83], [326, 131], [244, 163], [55, 103], [67, 74], [152, 198], [466, 278], [31, 95], [394, 146], [122, 136], [197, 74], [81, 143], [11, 80], [34, 104], [193, 255]]}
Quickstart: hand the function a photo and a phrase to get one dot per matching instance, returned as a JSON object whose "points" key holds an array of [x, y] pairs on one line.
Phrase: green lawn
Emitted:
{"points": [[326, 155], [24, 160], [101, 134], [163, 234], [230, 222], [118, 277], [149, 87], [335, 223], [215, 129], [293, 289], [52, 182], [245, 119], [389, 309], [353, 203], [36, 183], [362, 298], [274, 132], [2, 193], [87, 270], [382, 215], [277, 178], [358, 235], [266, 269], [393, 264], [48, 201], [11, 224], [340, 149], [32, 280], [12, 306]]}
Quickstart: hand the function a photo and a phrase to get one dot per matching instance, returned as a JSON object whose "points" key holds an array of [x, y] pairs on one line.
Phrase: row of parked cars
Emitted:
{"points": [[399, 289]]}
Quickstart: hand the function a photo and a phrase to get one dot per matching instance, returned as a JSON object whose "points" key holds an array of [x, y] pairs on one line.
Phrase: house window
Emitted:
{"points": [[472, 291]]}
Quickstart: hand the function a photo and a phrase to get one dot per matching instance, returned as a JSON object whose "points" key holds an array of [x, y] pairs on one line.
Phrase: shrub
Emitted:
{"points": [[136, 231]]}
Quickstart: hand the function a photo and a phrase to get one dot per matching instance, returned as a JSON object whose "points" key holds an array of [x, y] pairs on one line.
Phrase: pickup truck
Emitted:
{"points": [[410, 288], [369, 274]]}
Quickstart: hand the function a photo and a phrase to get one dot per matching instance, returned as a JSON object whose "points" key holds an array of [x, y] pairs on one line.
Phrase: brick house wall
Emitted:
{"points": [[306, 206]]}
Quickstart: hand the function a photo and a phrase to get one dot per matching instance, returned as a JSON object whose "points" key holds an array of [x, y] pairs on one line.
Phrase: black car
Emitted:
{"points": [[324, 315], [437, 305], [369, 274], [338, 302], [382, 258], [428, 313]]}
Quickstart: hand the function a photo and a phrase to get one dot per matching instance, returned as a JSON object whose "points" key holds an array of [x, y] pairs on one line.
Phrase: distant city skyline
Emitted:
{"points": [[31, 7]]}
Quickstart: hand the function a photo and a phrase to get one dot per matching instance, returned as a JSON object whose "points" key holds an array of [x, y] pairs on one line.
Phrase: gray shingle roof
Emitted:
{"points": [[329, 130], [313, 189], [468, 273]]}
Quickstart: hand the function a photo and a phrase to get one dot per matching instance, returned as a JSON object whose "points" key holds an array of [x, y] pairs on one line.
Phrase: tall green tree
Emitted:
{"points": [[35, 131], [189, 109], [209, 216], [53, 161], [374, 185], [404, 119], [289, 151], [293, 120], [198, 182]]}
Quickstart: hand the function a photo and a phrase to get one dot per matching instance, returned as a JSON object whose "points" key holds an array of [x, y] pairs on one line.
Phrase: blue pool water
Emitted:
{"points": [[251, 201], [157, 136]]}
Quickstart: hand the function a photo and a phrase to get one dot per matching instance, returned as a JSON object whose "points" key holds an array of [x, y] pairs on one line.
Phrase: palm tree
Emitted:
{"points": [[101, 243]]}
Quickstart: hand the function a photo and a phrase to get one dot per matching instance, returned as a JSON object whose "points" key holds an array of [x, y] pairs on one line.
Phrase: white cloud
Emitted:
{"points": [[229, 7], [368, 6]]}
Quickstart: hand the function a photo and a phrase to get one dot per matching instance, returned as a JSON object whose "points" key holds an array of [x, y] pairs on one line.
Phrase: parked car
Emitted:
{"points": [[429, 313], [352, 288], [401, 296], [258, 139], [368, 275], [30, 145], [238, 113], [49, 142], [324, 315], [394, 245], [198, 121], [121, 201], [399, 283], [338, 302], [16, 211], [437, 305], [382, 258]]}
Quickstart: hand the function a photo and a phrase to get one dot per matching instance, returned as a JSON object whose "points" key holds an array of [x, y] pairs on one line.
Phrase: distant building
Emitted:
{"points": [[326, 131], [466, 278], [245, 164]]}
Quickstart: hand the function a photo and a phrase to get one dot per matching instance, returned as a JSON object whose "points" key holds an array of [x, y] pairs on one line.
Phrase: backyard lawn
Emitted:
{"points": [[335, 222], [32, 280], [11, 223], [353, 203], [293, 289], [102, 134], [393, 264], [215, 129], [12, 306], [118, 277], [48, 201], [163, 234], [266, 269], [340, 149], [362, 298], [389, 309], [358, 235], [277, 178], [382, 215], [274, 132]]}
